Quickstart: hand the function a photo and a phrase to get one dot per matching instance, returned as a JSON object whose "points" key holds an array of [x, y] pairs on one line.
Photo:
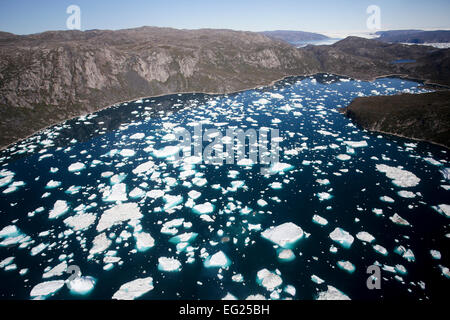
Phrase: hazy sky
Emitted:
{"points": [[31, 16]]}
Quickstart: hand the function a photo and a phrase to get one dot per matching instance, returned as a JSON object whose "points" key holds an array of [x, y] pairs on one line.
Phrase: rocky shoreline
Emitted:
{"points": [[424, 117]]}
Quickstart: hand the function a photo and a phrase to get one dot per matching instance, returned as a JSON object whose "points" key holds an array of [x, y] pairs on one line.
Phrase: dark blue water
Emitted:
{"points": [[314, 135]]}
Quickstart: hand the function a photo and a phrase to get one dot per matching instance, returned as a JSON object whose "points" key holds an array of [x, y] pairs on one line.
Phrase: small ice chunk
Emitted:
{"points": [[268, 279], [342, 237], [75, 167], [347, 266], [365, 236], [217, 260], [169, 264], [399, 220], [316, 279], [81, 285], [320, 220]]}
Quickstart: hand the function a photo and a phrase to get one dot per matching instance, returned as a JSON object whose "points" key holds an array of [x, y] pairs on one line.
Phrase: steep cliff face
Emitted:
{"points": [[100, 67], [423, 117], [48, 77]]}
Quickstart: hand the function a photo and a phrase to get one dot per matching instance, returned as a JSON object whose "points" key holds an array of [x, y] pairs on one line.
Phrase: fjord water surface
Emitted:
{"points": [[100, 192]]}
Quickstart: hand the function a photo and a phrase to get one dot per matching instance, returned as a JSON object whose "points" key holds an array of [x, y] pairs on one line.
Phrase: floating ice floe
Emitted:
{"points": [[284, 235], [144, 241], [286, 255], [356, 144], [387, 199], [435, 254], [268, 279], [172, 201], [169, 264], [166, 152], [276, 185], [405, 253], [342, 237], [332, 294], [319, 220], [81, 285], [127, 153], [75, 167], [406, 194], [137, 136], [365, 236], [399, 220], [118, 192], [347, 266], [443, 209], [47, 288], [118, 214], [100, 244], [184, 237], [59, 208], [380, 249], [145, 167], [399, 177], [80, 221], [324, 196], [134, 289], [7, 261], [204, 208], [280, 167], [217, 260], [53, 184], [262, 203], [316, 279], [343, 157], [58, 270]]}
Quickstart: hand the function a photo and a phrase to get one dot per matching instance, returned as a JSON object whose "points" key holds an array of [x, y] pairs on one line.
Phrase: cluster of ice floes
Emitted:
{"points": [[129, 202]]}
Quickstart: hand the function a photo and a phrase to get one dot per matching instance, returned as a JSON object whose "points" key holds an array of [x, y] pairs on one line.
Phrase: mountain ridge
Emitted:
{"points": [[53, 76]]}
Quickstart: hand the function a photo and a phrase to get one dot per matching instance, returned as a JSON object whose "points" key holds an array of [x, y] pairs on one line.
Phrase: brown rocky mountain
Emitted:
{"points": [[48, 77], [422, 117]]}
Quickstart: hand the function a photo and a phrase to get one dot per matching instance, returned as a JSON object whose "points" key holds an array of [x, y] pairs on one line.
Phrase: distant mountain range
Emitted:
{"points": [[294, 36], [415, 36], [52, 76]]}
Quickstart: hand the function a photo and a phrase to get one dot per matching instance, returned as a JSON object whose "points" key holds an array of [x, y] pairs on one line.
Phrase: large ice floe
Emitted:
{"points": [[285, 235], [399, 177], [134, 289], [118, 214]]}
